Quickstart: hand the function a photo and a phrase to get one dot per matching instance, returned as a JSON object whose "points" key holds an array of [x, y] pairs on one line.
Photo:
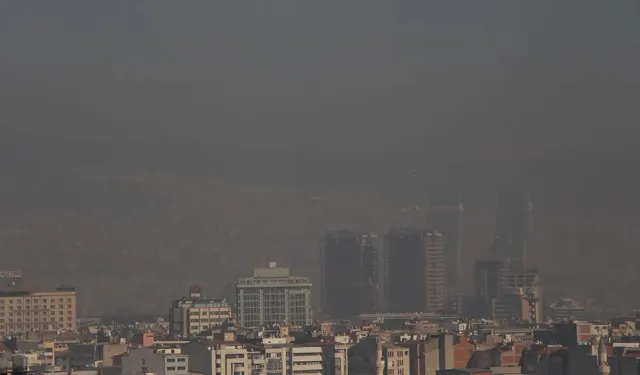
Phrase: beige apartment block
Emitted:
{"points": [[396, 360], [37, 311], [191, 315]]}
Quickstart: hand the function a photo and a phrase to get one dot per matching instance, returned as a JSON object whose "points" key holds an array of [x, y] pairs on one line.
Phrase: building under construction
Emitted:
{"points": [[514, 226], [445, 214], [508, 291], [349, 274], [415, 270]]}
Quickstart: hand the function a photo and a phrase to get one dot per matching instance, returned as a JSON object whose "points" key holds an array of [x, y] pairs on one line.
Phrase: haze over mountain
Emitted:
{"points": [[145, 146]]}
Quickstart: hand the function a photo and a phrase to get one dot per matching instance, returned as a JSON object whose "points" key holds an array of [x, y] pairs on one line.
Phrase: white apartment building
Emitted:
{"points": [[306, 360], [336, 356], [145, 361], [218, 357], [192, 315], [269, 360], [276, 356]]}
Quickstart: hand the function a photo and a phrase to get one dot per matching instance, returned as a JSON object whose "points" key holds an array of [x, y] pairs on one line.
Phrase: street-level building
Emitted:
{"points": [[146, 360]]}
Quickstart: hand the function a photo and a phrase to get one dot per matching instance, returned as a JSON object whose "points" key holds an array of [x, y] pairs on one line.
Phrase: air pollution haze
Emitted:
{"points": [[146, 146]]}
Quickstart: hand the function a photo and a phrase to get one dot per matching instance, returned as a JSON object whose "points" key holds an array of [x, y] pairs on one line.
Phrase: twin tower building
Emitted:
{"points": [[411, 269], [405, 270]]}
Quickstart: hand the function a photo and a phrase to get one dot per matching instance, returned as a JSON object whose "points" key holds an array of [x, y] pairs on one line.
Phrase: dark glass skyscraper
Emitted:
{"points": [[415, 270], [349, 272]]}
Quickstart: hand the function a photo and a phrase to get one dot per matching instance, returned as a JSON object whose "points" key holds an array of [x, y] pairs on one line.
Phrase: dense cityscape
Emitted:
{"points": [[280, 187], [390, 305]]}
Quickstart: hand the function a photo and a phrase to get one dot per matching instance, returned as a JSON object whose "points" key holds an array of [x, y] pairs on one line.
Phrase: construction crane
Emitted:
{"points": [[530, 297]]}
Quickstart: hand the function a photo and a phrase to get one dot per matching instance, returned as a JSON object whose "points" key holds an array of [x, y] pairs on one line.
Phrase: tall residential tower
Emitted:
{"points": [[349, 274]]}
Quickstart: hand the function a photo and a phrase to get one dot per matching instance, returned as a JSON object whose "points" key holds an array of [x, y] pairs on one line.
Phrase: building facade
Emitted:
{"points": [[396, 360], [488, 283], [349, 274], [508, 290], [272, 357], [191, 315], [415, 271], [218, 357], [273, 296], [445, 213], [30, 311], [566, 309], [145, 361], [514, 225]]}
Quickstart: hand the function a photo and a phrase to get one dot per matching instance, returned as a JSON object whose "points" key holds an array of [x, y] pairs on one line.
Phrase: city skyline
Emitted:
{"points": [[192, 139]]}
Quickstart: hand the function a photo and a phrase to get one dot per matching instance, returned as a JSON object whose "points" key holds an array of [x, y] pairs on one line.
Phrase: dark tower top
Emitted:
{"points": [[514, 224]]}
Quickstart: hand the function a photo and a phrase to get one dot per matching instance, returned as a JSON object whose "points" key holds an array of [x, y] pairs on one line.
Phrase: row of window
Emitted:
{"points": [[199, 328], [12, 328], [212, 313], [179, 368], [43, 307], [212, 320], [35, 320], [35, 300], [392, 353], [179, 359], [398, 371], [35, 313]]}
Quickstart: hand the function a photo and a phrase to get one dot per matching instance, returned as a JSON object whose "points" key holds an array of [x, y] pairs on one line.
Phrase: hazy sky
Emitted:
{"points": [[372, 95], [482, 77]]}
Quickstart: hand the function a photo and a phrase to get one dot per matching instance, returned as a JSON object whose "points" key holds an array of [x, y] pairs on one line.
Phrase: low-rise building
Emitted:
{"points": [[80, 356], [566, 309], [271, 356], [396, 359], [211, 357], [191, 315], [465, 371], [146, 360]]}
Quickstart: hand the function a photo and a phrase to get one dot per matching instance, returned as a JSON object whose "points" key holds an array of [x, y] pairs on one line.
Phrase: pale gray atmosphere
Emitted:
{"points": [[149, 145]]}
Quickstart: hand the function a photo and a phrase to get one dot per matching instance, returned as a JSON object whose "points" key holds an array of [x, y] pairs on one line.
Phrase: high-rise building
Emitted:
{"points": [[514, 224], [414, 270], [488, 276], [444, 214], [30, 311], [273, 296], [507, 290], [525, 283], [191, 315], [349, 274]]}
